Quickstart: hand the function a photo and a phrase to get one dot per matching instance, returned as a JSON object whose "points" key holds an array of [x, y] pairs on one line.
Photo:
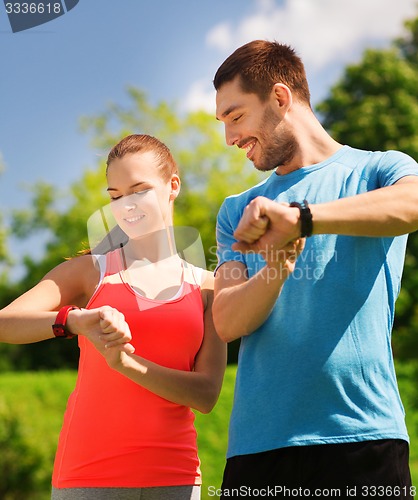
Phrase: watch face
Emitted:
{"points": [[59, 331]]}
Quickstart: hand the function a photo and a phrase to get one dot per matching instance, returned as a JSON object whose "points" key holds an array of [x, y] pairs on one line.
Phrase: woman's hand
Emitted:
{"points": [[106, 328]]}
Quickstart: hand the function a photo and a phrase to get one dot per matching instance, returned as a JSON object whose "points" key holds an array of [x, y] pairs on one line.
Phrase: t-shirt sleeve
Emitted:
{"points": [[393, 166], [226, 223]]}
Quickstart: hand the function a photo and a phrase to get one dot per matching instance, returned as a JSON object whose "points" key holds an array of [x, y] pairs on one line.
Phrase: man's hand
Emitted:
{"points": [[266, 227]]}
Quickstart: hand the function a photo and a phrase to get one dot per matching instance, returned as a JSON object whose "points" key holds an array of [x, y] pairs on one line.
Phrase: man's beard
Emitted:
{"points": [[277, 150]]}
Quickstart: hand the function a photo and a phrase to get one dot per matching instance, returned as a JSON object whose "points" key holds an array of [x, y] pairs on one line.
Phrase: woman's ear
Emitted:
{"points": [[175, 186]]}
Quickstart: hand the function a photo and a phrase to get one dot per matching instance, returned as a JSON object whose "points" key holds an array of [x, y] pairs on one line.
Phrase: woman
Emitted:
{"points": [[148, 348]]}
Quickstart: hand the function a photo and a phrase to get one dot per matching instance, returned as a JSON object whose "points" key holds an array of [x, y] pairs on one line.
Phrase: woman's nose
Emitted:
{"points": [[130, 205], [129, 202]]}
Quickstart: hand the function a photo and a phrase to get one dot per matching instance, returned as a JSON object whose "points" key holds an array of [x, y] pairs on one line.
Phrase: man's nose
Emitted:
{"points": [[231, 137]]}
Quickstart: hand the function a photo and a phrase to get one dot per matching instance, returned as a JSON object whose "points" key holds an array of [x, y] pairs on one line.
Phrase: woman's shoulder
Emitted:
{"points": [[205, 280], [79, 263], [197, 275], [78, 273], [208, 280]]}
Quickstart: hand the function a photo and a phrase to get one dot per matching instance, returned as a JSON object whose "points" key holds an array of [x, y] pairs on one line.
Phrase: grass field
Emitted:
{"points": [[40, 398]]}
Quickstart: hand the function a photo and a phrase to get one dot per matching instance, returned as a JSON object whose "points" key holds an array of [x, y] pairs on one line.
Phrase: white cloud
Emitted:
{"points": [[321, 31], [201, 95], [220, 36], [327, 34]]}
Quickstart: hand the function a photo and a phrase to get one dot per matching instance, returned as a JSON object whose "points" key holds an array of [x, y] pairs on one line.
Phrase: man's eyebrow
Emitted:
{"points": [[229, 110], [130, 187]]}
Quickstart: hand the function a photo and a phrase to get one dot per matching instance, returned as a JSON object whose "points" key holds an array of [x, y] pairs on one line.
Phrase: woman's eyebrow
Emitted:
{"points": [[130, 187]]}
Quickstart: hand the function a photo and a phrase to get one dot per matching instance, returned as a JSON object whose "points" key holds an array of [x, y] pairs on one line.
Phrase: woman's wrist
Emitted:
{"points": [[73, 322]]}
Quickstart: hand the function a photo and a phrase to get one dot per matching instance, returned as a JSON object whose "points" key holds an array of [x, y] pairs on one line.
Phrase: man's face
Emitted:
{"points": [[255, 126]]}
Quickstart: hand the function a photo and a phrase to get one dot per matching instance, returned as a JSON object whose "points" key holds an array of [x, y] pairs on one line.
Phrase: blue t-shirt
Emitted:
{"points": [[320, 369]]}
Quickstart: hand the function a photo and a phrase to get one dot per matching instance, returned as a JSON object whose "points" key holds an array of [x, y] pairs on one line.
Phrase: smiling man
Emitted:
{"points": [[316, 400]]}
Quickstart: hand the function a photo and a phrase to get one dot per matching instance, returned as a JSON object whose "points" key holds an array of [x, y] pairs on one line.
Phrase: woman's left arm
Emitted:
{"points": [[198, 389]]}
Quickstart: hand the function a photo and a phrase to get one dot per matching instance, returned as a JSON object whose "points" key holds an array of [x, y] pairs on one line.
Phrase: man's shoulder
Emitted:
{"points": [[376, 156], [244, 197]]}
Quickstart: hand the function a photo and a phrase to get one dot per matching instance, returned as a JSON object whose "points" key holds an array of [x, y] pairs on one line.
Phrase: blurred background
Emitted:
{"points": [[71, 88]]}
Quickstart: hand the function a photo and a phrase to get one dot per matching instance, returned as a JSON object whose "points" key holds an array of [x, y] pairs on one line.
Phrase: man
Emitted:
{"points": [[316, 400]]}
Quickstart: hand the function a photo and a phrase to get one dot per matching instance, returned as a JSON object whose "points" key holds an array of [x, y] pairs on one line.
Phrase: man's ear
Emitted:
{"points": [[282, 95]]}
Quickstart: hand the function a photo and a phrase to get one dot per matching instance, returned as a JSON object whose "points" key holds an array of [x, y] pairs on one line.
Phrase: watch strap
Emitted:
{"points": [[306, 224], [59, 327]]}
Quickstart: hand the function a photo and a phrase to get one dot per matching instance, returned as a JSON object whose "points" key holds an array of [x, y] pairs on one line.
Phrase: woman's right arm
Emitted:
{"points": [[30, 317]]}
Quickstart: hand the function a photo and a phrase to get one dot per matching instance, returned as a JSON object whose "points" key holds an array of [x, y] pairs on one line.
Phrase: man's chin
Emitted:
{"points": [[263, 168]]}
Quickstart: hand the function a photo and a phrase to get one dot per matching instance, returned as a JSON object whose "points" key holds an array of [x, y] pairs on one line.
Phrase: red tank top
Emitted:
{"points": [[115, 432]]}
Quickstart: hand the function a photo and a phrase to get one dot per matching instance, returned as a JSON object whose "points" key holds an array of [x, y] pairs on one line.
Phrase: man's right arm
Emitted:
{"points": [[241, 305]]}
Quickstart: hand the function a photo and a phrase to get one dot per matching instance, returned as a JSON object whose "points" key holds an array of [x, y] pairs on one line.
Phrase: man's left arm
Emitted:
{"points": [[383, 212], [387, 211]]}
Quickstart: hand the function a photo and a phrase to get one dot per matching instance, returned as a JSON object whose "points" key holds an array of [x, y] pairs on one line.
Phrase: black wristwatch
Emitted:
{"points": [[306, 224]]}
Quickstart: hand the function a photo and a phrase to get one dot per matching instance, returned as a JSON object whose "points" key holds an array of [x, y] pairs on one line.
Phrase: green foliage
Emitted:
{"points": [[5, 259], [209, 170], [407, 373], [31, 409], [212, 435], [4, 254], [375, 107], [408, 44], [37, 402], [18, 459]]}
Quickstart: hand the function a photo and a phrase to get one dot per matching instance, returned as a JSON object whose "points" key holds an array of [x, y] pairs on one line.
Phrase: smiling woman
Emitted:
{"points": [[148, 348], [139, 194]]}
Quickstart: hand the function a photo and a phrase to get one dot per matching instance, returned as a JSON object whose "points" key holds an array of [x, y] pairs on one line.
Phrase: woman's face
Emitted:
{"points": [[141, 200]]}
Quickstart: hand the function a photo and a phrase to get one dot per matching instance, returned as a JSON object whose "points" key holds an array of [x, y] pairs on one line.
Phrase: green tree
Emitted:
{"points": [[5, 259], [19, 461], [375, 107], [209, 170]]}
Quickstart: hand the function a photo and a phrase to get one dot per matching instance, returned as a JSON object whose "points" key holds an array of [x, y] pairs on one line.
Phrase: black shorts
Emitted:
{"points": [[377, 469]]}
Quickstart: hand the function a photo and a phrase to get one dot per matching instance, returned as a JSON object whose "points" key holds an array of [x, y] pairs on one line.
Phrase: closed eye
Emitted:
{"points": [[144, 191], [139, 193]]}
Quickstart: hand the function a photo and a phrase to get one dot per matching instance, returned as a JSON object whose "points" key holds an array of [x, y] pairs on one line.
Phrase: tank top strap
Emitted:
{"points": [[113, 263], [196, 273]]}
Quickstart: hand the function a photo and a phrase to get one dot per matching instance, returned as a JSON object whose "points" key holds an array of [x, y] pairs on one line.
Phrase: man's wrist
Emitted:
{"points": [[305, 218]]}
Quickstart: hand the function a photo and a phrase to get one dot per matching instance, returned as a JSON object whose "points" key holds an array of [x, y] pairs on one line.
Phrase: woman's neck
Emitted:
{"points": [[155, 247]]}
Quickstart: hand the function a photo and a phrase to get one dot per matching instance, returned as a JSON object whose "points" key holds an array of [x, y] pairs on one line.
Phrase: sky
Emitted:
{"points": [[74, 66]]}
